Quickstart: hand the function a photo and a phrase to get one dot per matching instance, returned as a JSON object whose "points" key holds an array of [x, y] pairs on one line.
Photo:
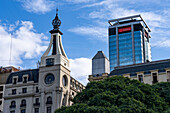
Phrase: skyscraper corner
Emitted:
{"points": [[129, 41]]}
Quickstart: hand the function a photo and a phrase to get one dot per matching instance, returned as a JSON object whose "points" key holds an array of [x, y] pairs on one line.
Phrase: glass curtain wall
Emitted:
{"points": [[112, 51], [125, 49], [138, 46]]}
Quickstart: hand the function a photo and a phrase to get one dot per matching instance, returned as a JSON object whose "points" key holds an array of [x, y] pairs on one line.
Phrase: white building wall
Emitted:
{"points": [[98, 66], [19, 96], [162, 77], [107, 66]]}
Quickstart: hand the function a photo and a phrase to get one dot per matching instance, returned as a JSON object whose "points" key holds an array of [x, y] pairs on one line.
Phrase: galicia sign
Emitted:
{"points": [[124, 29]]}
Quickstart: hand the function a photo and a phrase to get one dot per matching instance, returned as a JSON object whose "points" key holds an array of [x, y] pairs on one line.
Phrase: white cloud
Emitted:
{"points": [[80, 1], [80, 69], [26, 43], [97, 33], [38, 6], [104, 10]]}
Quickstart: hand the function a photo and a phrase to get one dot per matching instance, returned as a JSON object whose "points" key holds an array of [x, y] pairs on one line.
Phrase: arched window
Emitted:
{"points": [[64, 100], [23, 103], [13, 104], [49, 100], [65, 80]]}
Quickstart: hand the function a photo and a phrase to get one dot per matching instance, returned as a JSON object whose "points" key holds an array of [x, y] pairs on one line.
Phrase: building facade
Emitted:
{"points": [[4, 73], [47, 88], [128, 41], [149, 72], [100, 64]]}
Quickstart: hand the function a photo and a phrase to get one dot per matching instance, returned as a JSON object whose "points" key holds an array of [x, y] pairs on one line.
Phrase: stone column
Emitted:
{"points": [[54, 99], [42, 105]]}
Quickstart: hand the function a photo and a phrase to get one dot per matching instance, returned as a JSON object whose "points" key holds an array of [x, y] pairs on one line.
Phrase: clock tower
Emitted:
{"points": [[54, 73]]}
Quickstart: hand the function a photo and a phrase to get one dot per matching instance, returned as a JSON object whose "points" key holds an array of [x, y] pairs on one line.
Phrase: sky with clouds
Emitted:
{"points": [[25, 26]]}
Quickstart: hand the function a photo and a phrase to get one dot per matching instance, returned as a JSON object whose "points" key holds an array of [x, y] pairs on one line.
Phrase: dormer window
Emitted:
{"points": [[25, 78], [15, 79]]}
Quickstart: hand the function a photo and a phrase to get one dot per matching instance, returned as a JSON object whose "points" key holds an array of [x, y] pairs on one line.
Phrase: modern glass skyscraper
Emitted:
{"points": [[128, 41]]}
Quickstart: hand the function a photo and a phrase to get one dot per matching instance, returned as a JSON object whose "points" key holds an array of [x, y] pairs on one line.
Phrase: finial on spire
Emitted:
{"points": [[56, 11], [56, 21]]}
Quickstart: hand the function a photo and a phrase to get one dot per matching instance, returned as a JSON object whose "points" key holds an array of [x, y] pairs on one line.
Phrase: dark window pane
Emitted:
{"points": [[1, 94], [36, 110], [48, 109], [50, 62], [1, 88], [13, 91], [12, 111], [23, 111], [25, 80], [14, 80], [112, 31], [137, 27], [24, 90], [37, 90]]}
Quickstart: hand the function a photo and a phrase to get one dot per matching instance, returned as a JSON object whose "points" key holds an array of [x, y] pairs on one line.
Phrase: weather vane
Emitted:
{"points": [[57, 11]]}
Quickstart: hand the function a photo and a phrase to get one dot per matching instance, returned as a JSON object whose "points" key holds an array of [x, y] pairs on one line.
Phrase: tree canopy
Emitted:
{"points": [[118, 95]]}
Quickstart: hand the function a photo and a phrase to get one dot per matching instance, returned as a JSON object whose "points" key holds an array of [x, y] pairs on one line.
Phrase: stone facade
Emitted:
{"points": [[149, 73], [4, 73], [47, 88]]}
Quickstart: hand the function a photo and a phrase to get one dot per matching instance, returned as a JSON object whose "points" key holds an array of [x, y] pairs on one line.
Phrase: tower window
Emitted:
{"points": [[49, 109], [64, 101], [36, 110], [23, 111], [50, 62], [54, 45], [37, 100], [65, 80], [37, 103], [49, 100], [12, 111]]}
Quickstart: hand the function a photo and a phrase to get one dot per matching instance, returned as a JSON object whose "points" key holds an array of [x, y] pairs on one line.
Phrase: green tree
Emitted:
{"points": [[117, 95], [163, 89]]}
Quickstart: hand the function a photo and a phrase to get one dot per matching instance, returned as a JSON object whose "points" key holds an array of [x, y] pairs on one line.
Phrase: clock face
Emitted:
{"points": [[49, 79]]}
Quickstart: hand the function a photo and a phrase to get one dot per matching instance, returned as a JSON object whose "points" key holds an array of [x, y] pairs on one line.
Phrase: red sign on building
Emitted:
{"points": [[124, 29]]}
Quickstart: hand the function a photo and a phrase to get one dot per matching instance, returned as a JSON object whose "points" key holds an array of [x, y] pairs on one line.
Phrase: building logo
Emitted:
{"points": [[121, 30]]}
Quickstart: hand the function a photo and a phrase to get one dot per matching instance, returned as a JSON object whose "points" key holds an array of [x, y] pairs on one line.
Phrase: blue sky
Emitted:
{"points": [[84, 25]]}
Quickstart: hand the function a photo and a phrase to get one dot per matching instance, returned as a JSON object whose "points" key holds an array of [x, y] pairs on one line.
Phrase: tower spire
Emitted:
{"points": [[56, 21], [56, 24]]}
